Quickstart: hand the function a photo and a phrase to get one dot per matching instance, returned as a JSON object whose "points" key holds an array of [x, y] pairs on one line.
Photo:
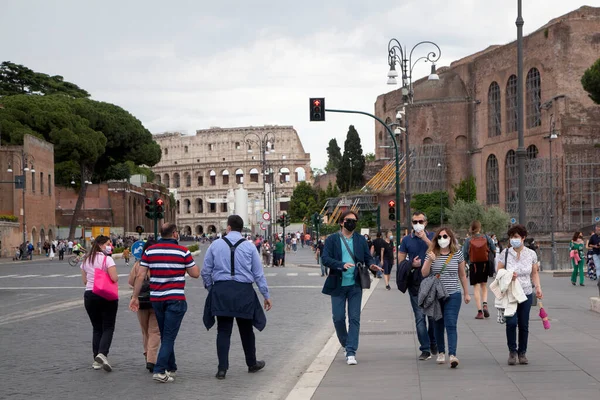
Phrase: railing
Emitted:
{"points": [[563, 261]]}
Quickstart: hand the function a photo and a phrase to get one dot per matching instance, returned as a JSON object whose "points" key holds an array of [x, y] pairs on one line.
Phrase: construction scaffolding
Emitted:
{"points": [[427, 168], [334, 207], [582, 182]]}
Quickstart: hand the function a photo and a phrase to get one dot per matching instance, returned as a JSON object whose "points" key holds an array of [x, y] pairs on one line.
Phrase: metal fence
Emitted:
{"points": [[563, 262]]}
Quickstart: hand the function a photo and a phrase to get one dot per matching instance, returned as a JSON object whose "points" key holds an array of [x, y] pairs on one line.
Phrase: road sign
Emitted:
{"points": [[263, 227], [597, 219], [513, 221], [266, 216], [137, 248], [139, 229]]}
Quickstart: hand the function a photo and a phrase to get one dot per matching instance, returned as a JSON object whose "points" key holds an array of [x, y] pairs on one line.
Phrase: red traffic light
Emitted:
{"points": [[159, 202], [391, 203], [316, 102], [148, 201]]}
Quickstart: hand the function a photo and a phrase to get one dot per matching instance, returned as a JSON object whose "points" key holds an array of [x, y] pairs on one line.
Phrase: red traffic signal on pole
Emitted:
{"points": [[160, 208], [317, 109], [149, 208], [392, 210], [391, 203]]}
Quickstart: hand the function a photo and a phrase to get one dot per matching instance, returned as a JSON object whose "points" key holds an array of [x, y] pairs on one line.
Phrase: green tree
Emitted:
{"points": [[369, 157], [332, 191], [466, 190], [591, 81], [463, 213], [431, 204], [495, 220], [352, 167], [18, 79], [334, 155], [303, 202]]}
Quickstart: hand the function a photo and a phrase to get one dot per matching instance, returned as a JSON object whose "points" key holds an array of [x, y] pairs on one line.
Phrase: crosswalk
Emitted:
{"points": [[42, 276]]}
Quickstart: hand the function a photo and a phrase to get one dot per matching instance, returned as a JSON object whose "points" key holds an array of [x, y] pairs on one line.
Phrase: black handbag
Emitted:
{"points": [[144, 296], [363, 270]]}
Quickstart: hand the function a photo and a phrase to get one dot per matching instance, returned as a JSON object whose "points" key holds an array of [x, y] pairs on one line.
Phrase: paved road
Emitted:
{"points": [[46, 333]]}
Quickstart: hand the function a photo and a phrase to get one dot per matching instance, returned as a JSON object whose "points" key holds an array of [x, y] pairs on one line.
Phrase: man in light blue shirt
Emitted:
{"points": [[231, 265]]}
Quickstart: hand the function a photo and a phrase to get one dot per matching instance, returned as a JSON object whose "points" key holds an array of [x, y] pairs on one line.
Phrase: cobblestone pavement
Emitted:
{"points": [[46, 339]]}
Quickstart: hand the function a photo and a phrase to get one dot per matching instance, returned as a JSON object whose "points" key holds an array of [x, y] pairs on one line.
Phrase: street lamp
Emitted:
{"points": [[552, 136], [25, 160], [521, 152], [398, 54], [265, 143], [441, 200]]}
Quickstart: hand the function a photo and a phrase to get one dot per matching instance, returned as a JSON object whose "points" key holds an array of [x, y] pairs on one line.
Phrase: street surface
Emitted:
{"points": [[46, 338]]}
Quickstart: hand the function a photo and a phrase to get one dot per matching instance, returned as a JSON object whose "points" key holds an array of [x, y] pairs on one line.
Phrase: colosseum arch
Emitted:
{"points": [[239, 176], [167, 180], [299, 175]]}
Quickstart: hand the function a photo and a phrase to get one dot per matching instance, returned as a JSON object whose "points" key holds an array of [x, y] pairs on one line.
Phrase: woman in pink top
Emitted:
{"points": [[102, 312]]}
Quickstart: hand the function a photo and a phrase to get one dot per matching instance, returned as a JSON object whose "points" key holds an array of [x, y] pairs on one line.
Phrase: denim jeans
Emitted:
{"points": [[425, 335], [596, 258], [169, 315], [521, 318], [450, 309], [377, 261], [348, 337], [323, 268]]}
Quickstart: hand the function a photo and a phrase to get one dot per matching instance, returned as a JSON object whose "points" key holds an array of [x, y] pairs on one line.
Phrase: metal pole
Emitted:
{"points": [[407, 172], [24, 188], [521, 154], [552, 242], [441, 208], [389, 130], [379, 217]]}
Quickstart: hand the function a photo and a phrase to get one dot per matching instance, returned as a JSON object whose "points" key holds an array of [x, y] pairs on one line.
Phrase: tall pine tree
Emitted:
{"points": [[352, 167], [334, 153]]}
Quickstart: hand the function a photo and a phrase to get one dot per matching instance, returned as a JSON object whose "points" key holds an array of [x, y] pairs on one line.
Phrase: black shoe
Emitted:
{"points": [[387, 287], [150, 367], [221, 375], [425, 356], [257, 367], [581, 284], [434, 349]]}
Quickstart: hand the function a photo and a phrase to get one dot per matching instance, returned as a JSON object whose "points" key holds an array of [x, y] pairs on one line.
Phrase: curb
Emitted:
{"points": [[309, 382]]}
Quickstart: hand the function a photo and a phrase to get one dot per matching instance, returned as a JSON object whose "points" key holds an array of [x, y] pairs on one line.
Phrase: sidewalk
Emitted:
{"points": [[564, 361]]}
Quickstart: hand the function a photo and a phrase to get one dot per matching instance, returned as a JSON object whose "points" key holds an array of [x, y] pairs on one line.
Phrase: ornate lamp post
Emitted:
{"points": [[25, 160], [265, 144], [552, 136], [398, 54]]}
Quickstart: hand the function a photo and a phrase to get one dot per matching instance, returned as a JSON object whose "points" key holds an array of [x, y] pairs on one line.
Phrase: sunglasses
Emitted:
{"points": [[444, 236], [418, 222]]}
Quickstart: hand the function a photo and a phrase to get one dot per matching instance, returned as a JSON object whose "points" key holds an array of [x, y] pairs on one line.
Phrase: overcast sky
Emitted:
{"points": [[183, 65]]}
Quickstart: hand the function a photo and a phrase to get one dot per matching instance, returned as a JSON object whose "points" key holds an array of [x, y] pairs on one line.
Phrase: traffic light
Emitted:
{"points": [[317, 109], [160, 209], [150, 208], [287, 220], [281, 220], [392, 210]]}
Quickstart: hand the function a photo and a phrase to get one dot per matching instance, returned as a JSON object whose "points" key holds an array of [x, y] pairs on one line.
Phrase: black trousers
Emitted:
{"points": [[224, 329], [103, 314]]}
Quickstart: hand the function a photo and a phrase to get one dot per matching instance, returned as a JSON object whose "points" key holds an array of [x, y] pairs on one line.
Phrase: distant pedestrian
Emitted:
{"points": [[266, 253], [594, 245], [127, 254], [387, 258], [577, 258], [445, 261], [231, 266], [168, 263], [476, 251], [61, 250], [523, 264], [145, 314], [102, 312], [376, 247], [70, 247], [52, 251], [319, 253], [278, 253], [341, 253], [294, 244]]}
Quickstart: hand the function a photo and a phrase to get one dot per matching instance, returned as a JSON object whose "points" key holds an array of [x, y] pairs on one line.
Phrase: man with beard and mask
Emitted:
{"points": [[414, 246], [340, 254]]}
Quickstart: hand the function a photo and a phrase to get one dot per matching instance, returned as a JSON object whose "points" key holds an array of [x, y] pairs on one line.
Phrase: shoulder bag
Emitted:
{"points": [[445, 265], [363, 270], [104, 285]]}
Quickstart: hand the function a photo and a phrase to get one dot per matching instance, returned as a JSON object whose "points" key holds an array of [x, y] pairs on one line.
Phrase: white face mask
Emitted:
{"points": [[419, 227], [444, 242], [516, 243], [107, 249]]}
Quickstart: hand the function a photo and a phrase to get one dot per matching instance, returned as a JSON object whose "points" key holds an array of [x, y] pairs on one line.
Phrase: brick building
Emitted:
{"points": [[204, 169], [471, 115], [119, 206], [37, 157]]}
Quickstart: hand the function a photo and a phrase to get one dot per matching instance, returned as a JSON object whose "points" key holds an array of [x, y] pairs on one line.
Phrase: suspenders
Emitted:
{"points": [[232, 248]]}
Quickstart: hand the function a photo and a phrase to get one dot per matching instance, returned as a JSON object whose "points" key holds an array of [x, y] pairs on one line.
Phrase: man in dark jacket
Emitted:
{"points": [[341, 253]]}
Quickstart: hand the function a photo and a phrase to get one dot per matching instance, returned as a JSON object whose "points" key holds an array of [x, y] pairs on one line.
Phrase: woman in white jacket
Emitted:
{"points": [[523, 264]]}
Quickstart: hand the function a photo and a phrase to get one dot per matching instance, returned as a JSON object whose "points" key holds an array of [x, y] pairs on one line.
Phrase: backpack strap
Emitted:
{"points": [[232, 248]]}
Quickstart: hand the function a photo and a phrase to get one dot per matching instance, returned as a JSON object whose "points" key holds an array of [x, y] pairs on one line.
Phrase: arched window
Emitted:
{"points": [[511, 104], [185, 149], [158, 180], [167, 180], [533, 86], [239, 176], [166, 151], [492, 180], [213, 178], [253, 175], [199, 206], [511, 183], [284, 175], [200, 179], [225, 175], [188, 206], [178, 207], [532, 152], [299, 174], [494, 112], [188, 180], [177, 180]]}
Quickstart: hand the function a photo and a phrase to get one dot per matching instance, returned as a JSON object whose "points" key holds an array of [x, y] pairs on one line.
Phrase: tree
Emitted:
{"points": [[370, 157], [332, 191], [317, 172], [303, 202], [495, 220], [18, 79], [466, 190], [334, 154], [352, 167], [591, 81], [463, 213], [431, 204]]}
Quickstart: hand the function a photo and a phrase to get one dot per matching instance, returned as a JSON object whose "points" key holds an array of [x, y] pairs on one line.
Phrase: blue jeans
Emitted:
{"points": [[596, 258], [521, 318], [348, 337], [425, 335], [323, 268], [450, 309], [169, 315], [377, 261]]}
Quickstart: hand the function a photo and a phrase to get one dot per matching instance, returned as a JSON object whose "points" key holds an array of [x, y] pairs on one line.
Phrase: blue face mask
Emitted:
{"points": [[516, 243]]}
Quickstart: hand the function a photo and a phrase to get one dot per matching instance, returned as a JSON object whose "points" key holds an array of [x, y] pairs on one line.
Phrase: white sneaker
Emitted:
{"points": [[103, 361], [351, 360], [453, 362], [96, 365], [163, 378], [172, 374], [441, 358]]}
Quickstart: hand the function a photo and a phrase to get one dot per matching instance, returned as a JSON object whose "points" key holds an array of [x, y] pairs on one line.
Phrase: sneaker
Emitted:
{"points": [[434, 349], [351, 360], [257, 367], [387, 287], [581, 284], [221, 374], [162, 378], [523, 359], [102, 360], [96, 365], [441, 358], [512, 358], [486, 313], [425, 356], [453, 362], [573, 283], [479, 315], [172, 374]]}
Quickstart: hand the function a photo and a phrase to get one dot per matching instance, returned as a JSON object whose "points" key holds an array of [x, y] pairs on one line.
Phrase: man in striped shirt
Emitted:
{"points": [[168, 262]]}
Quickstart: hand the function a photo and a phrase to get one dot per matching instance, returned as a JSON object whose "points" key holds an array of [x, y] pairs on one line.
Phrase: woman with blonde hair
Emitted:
{"points": [[145, 314], [445, 261]]}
